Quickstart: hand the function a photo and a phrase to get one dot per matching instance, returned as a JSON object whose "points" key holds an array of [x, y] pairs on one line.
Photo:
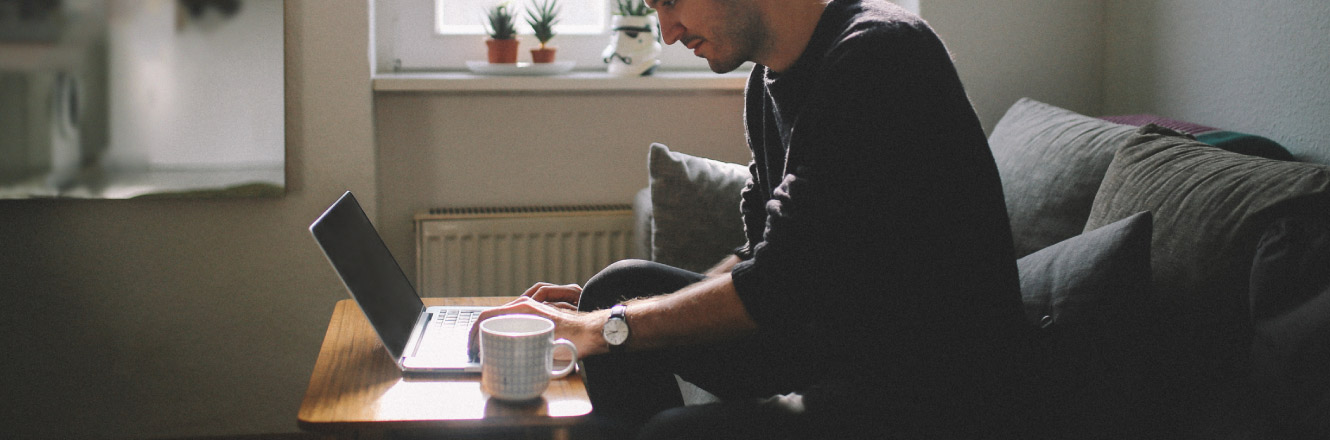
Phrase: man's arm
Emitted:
{"points": [[707, 311], [724, 266]]}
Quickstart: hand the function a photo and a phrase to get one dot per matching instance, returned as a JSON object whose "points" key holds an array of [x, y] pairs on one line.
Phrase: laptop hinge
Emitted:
{"points": [[420, 336]]}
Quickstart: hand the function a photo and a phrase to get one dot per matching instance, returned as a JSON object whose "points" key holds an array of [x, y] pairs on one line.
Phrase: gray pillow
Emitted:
{"points": [[1051, 161], [1085, 296], [1209, 205], [1088, 279], [695, 208], [1209, 208]]}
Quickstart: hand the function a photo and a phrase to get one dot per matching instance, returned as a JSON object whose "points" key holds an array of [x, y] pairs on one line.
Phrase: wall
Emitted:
{"points": [[534, 149], [172, 318], [1253, 67], [1050, 50]]}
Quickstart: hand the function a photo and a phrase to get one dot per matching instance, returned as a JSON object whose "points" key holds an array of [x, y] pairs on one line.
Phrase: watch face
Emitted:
{"points": [[615, 331]]}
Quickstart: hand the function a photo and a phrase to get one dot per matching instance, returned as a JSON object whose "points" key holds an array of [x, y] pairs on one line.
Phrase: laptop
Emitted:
{"points": [[419, 339]]}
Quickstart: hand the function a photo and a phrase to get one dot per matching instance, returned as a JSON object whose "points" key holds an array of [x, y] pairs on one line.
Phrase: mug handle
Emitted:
{"points": [[571, 365]]}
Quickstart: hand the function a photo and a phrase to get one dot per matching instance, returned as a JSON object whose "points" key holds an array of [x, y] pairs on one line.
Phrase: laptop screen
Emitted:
{"points": [[369, 272]]}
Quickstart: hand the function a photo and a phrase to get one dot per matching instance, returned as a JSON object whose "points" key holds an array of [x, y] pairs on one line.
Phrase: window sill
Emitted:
{"points": [[570, 82]]}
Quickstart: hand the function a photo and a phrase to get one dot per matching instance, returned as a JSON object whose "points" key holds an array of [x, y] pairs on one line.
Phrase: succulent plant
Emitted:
{"points": [[500, 23], [542, 20], [633, 8]]}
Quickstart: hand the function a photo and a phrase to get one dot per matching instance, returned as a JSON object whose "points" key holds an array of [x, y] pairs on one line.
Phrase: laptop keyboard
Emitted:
{"points": [[457, 319], [448, 334]]}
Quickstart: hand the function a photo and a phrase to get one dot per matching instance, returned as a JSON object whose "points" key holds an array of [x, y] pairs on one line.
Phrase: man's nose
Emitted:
{"points": [[670, 28]]}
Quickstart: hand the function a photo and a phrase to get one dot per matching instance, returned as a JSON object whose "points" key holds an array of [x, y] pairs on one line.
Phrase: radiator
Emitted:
{"points": [[503, 251]]}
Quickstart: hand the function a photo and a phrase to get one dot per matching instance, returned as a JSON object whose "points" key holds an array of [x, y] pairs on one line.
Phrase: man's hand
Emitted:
{"points": [[564, 296], [583, 329]]}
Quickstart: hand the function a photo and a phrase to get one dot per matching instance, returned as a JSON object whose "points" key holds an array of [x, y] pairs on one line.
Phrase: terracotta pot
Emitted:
{"points": [[543, 55], [502, 51]]}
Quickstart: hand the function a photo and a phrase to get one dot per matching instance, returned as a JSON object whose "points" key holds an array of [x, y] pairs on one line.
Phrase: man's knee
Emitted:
{"points": [[628, 279], [608, 287]]}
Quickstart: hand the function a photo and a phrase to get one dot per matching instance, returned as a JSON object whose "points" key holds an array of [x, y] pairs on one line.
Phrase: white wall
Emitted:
{"points": [[1254, 67], [1050, 50], [534, 149], [178, 318]]}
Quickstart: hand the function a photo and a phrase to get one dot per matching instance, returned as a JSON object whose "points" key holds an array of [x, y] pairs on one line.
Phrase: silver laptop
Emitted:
{"points": [[419, 339]]}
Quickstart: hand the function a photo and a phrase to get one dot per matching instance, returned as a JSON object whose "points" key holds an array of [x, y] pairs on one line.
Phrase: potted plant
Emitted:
{"points": [[542, 20], [633, 8], [501, 26], [635, 45]]}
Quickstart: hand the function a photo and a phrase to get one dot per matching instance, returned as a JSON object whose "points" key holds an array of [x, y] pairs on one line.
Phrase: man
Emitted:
{"points": [[877, 295]]}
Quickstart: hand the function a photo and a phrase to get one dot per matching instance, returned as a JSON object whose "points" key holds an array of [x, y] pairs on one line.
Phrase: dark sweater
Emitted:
{"points": [[875, 217]]}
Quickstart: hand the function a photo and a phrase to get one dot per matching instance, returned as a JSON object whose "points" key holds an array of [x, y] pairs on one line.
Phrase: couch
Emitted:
{"points": [[1175, 276]]}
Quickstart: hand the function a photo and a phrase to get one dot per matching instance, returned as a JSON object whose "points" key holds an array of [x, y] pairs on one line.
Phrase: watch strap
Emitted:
{"points": [[619, 312]]}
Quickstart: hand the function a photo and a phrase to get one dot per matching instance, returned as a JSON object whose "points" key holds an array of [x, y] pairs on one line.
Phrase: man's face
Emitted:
{"points": [[725, 32]]}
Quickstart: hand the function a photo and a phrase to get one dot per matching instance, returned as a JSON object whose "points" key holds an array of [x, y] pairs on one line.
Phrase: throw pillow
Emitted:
{"points": [[1209, 206], [1144, 119], [696, 220], [1051, 161], [1085, 296], [1249, 144], [1290, 309]]}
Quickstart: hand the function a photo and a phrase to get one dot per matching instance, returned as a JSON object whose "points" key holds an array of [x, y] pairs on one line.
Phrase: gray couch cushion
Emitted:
{"points": [[1290, 307], [1051, 161], [1209, 207], [695, 208]]}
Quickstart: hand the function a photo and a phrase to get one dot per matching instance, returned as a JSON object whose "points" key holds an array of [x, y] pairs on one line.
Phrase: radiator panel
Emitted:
{"points": [[503, 253]]}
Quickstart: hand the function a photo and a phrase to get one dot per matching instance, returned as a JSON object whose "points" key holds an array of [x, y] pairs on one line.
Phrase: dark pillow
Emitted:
{"points": [[1051, 161], [1209, 208], [695, 220], [1249, 144], [1084, 295], [1290, 310]]}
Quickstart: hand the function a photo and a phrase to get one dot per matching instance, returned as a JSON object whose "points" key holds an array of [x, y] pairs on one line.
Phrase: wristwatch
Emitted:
{"points": [[615, 330]]}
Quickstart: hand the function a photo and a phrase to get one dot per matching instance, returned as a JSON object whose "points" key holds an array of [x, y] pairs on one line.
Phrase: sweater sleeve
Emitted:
{"points": [[753, 198], [752, 207], [884, 154]]}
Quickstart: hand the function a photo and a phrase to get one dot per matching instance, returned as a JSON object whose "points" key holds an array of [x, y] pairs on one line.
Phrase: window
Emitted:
{"points": [[434, 35], [464, 17]]}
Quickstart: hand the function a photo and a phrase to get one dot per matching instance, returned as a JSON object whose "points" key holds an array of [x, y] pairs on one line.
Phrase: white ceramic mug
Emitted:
{"points": [[517, 356]]}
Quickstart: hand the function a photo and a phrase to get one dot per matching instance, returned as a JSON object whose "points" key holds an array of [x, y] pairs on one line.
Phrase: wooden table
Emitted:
{"points": [[357, 391]]}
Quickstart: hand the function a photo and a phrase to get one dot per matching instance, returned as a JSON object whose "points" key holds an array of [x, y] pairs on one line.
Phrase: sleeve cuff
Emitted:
{"points": [[748, 285], [743, 252]]}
